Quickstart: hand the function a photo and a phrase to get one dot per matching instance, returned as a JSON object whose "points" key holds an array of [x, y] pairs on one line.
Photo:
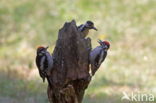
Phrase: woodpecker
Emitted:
{"points": [[98, 55], [44, 62], [84, 28]]}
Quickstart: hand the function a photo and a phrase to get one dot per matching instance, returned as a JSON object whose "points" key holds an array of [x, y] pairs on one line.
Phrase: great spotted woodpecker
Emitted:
{"points": [[44, 62], [98, 55], [84, 28]]}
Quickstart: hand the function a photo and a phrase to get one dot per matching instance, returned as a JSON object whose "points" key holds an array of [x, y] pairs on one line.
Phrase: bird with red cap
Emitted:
{"points": [[98, 55]]}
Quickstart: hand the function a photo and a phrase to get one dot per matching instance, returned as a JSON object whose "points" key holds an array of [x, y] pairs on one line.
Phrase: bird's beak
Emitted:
{"points": [[94, 28], [100, 42], [47, 47]]}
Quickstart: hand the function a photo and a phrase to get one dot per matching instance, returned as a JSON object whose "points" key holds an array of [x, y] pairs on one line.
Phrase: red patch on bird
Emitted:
{"points": [[106, 42], [40, 47]]}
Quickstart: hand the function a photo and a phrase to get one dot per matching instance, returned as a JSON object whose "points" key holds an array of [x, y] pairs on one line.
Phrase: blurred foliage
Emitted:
{"points": [[129, 25]]}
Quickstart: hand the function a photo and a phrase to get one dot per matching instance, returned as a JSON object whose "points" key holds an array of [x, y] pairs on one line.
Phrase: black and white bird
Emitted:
{"points": [[84, 28], [44, 62], [98, 55]]}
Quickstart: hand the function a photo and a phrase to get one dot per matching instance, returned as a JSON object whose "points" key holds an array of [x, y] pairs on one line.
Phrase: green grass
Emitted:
{"points": [[128, 24]]}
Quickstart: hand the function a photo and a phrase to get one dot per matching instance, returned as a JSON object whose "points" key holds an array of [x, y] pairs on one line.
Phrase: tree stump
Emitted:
{"points": [[70, 76]]}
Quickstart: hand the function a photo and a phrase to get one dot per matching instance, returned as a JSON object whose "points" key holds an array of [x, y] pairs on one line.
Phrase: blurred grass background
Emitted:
{"points": [[130, 26]]}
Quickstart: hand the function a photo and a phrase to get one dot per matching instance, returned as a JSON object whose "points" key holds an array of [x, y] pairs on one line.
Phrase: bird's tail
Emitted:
{"points": [[49, 83]]}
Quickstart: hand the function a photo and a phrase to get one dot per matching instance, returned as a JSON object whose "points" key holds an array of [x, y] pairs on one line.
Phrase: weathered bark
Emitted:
{"points": [[70, 75]]}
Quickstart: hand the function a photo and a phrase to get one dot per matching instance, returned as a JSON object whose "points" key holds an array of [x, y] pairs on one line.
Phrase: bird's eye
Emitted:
{"points": [[90, 25]]}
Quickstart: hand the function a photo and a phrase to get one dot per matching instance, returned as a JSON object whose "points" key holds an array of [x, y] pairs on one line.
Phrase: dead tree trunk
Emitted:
{"points": [[70, 75]]}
